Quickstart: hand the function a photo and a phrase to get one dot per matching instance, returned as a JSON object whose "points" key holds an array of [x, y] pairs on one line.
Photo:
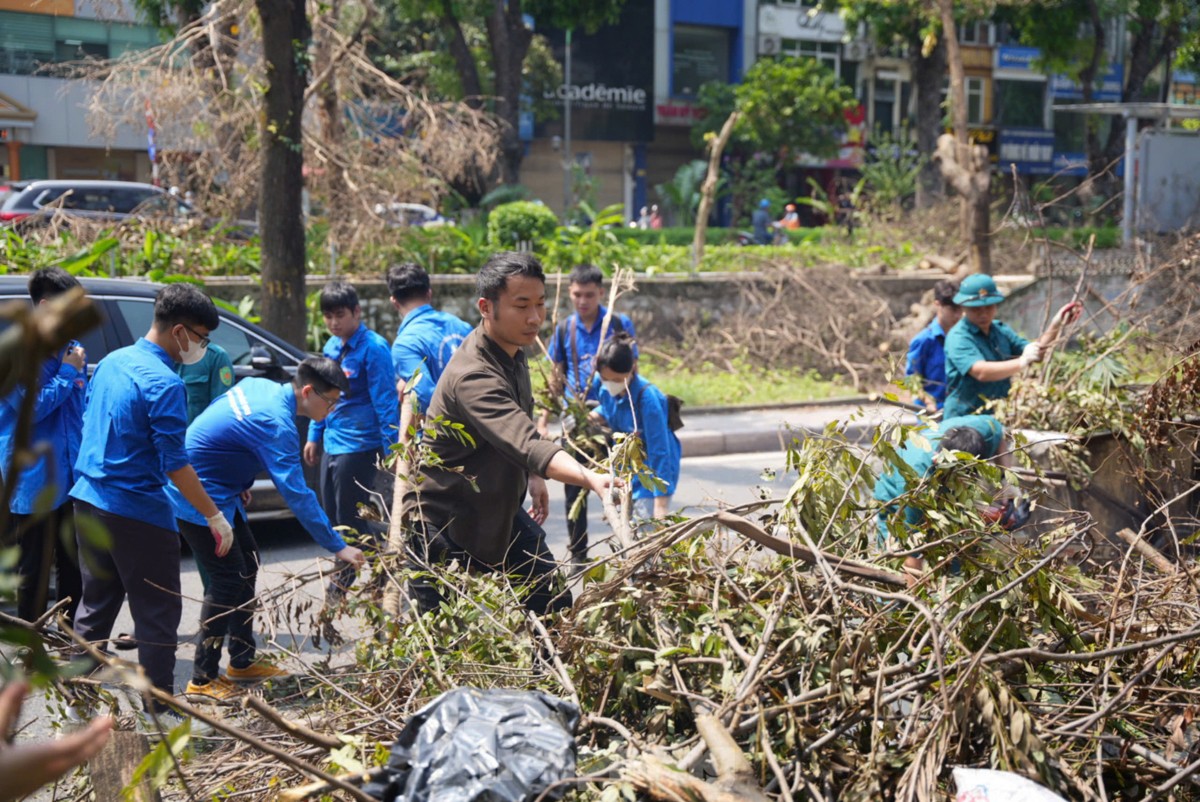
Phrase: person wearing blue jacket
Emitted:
{"points": [[629, 403], [572, 350], [57, 422], [132, 442], [250, 429], [927, 351], [425, 341], [352, 440]]}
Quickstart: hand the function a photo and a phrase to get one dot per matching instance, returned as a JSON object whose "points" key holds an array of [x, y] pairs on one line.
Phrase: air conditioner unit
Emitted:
{"points": [[768, 44], [857, 50]]}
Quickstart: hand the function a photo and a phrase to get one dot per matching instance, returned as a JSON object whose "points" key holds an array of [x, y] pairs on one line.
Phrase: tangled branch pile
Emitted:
{"points": [[818, 672], [811, 319]]}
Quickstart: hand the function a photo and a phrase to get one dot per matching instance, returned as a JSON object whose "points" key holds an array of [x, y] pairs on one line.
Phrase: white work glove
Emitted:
{"points": [[1031, 354], [222, 532]]}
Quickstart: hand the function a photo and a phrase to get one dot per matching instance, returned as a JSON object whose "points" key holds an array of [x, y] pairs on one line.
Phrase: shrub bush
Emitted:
{"points": [[520, 221]]}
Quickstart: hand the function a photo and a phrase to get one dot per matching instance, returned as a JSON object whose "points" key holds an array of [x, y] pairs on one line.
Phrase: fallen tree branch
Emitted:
{"points": [[843, 565]]}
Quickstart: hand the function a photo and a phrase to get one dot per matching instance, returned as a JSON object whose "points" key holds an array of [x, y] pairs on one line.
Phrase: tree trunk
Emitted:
{"points": [[337, 203], [464, 61], [1087, 85], [509, 40], [709, 189], [286, 36], [928, 72], [965, 166]]}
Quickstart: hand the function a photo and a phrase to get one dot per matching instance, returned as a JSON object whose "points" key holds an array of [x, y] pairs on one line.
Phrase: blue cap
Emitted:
{"points": [[764, 203], [978, 289]]}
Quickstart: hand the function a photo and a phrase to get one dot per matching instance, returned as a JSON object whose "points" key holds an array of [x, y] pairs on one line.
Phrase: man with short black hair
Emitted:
{"points": [[424, 342], [360, 430], [927, 351], [573, 348], [467, 505], [57, 422], [132, 442], [252, 429]]}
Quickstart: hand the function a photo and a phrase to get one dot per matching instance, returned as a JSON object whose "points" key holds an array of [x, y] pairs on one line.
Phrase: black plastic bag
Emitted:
{"points": [[472, 745]]}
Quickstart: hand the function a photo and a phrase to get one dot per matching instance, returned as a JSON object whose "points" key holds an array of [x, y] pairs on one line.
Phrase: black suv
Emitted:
{"points": [[28, 204], [127, 309]]}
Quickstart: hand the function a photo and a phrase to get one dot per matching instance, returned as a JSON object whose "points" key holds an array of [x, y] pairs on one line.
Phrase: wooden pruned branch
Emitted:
{"points": [[843, 565]]}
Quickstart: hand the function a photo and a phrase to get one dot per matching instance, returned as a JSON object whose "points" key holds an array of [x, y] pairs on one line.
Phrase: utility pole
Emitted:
{"points": [[568, 157]]}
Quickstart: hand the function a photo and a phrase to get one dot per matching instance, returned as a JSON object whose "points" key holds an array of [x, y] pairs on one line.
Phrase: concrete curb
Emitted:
{"points": [[700, 442]]}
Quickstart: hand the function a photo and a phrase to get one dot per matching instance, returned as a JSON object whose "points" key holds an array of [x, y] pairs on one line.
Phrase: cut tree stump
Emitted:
{"points": [[113, 768]]}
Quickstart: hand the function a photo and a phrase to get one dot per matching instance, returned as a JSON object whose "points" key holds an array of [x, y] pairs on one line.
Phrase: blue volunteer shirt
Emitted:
{"points": [[892, 484], [580, 357], [133, 435], [966, 344], [927, 359], [424, 344], [368, 416], [57, 422], [252, 428], [663, 453]]}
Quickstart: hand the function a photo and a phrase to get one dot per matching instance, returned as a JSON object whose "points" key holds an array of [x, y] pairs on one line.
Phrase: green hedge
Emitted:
{"points": [[520, 221], [714, 236]]}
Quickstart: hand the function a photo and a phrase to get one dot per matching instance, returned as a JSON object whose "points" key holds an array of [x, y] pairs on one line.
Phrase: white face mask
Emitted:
{"points": [[193, 353], [616, 389]]}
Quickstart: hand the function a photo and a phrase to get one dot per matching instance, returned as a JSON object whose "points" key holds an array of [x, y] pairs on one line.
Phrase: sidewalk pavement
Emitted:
{"points": [[733, 430]]}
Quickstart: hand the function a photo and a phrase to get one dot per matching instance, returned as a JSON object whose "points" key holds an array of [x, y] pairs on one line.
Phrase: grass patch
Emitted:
{"points": [[708, 385]]}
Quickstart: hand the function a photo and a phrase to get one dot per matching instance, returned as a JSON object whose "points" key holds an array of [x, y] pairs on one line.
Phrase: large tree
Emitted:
{"points": [[286, 36], [910, 25], [785, 107], [1073, 36], [509, 40]]}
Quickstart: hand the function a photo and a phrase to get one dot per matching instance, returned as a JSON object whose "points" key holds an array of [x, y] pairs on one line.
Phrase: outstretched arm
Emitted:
{"points": [[24, 768]]}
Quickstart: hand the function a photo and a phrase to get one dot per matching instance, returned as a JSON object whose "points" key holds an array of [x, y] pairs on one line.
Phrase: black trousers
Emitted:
{"points": [[346, 482], [528, 563], [143, 565], [577, 528], [229, 599], [45, 541]]}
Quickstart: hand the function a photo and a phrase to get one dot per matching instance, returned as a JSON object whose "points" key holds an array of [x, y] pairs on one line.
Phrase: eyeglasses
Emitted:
{"points": [[328, 404], [204, 341]]}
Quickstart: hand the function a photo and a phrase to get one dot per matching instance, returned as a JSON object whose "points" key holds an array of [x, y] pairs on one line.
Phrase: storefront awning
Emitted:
{"points": [[14, 115]]}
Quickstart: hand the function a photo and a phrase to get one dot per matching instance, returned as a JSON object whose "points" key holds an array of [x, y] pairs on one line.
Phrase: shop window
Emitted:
{"points": [[974, 88], [825, 52], [1020, 104], [975, 33], [699, 54]]}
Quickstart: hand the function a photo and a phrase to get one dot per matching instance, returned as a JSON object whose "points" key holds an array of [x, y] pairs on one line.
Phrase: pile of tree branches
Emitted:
{"points": [[819, 319], [771, 652]]}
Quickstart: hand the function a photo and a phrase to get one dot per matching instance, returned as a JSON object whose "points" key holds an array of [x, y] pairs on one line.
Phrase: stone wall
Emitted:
{"points": [[660, 306]]}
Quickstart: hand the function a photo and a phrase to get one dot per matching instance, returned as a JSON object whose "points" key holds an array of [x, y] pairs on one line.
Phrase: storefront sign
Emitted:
{"points": [[1030, 149], [611, 98], [1109, 90], [1016, 57]]}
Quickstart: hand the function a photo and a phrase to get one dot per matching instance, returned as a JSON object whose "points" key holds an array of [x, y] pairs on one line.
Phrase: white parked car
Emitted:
{"points": [[411, 214]]}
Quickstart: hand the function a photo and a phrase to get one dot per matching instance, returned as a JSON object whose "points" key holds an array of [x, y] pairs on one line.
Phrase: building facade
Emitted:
{"points": [[44, 131]]}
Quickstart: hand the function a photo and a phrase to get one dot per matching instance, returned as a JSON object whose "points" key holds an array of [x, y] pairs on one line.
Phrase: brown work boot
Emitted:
{"points": [[257, 671], [220, 689]]}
